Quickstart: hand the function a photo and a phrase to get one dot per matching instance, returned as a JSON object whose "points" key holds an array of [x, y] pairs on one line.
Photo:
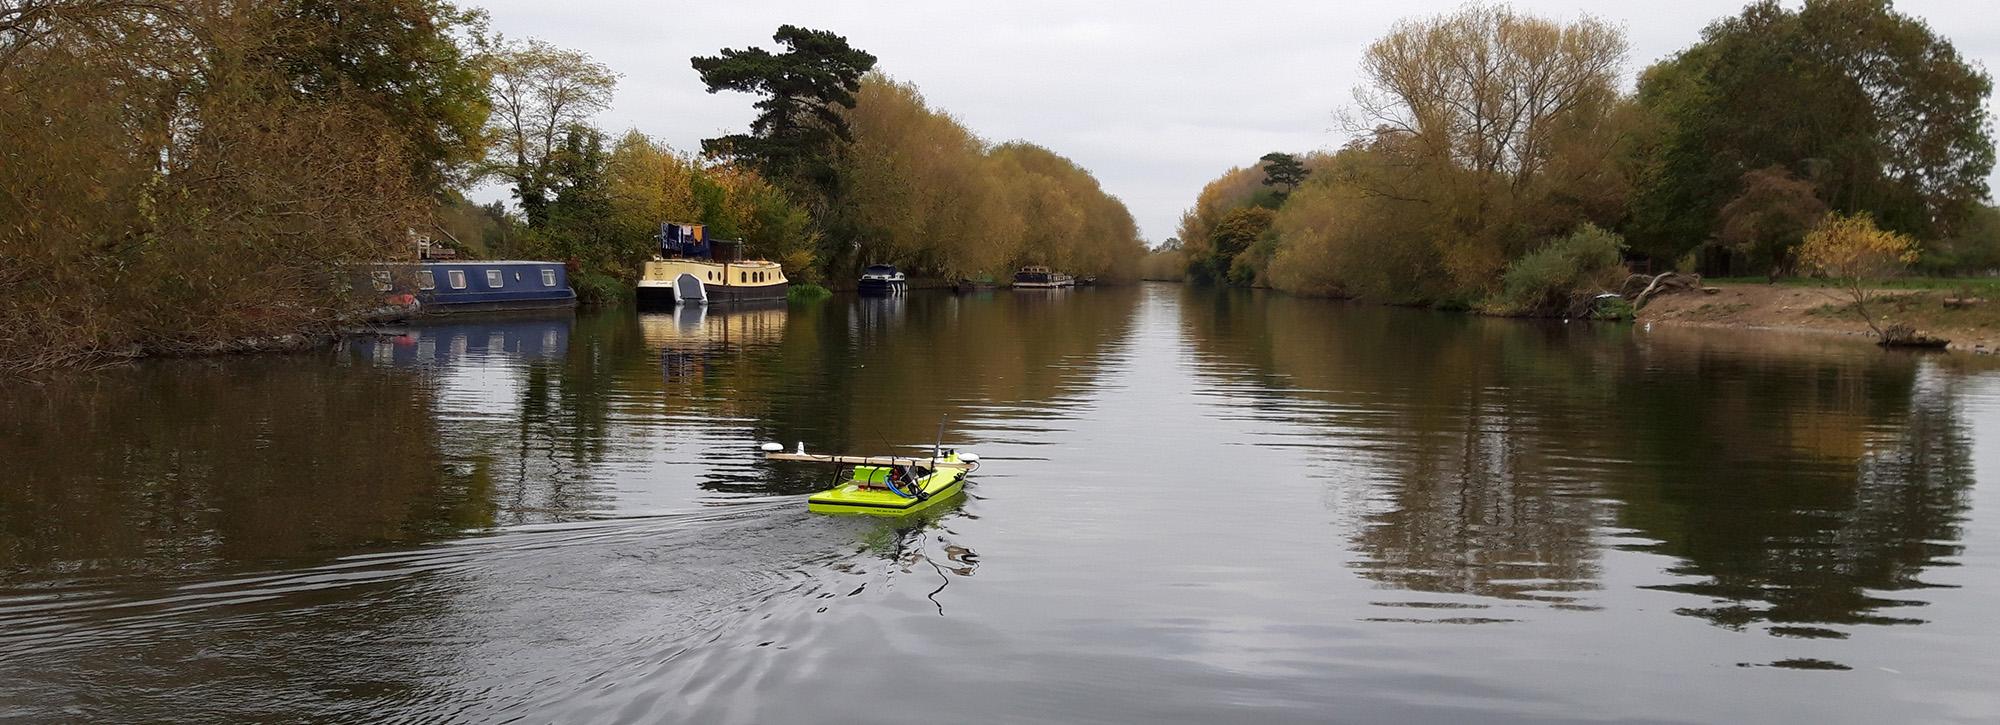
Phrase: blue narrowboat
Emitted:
{"points": [[475, 285]]}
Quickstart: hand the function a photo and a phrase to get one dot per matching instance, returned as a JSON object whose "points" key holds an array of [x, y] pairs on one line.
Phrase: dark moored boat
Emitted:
{"points": [[882, 280]]}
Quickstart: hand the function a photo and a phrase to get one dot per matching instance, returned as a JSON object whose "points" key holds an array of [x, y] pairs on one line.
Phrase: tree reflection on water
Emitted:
{"points": [[1794, 482]]}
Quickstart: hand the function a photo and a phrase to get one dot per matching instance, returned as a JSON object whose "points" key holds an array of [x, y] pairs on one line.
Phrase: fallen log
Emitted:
{"points": [[1665, 283]]}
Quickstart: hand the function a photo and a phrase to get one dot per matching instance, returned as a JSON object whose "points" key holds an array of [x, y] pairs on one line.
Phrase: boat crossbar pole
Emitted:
{"points": [[930, 463]]}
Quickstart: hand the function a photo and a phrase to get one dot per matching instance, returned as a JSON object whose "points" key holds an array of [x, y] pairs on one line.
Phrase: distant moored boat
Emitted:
{"points": [[882, 280], [1039, 277]]}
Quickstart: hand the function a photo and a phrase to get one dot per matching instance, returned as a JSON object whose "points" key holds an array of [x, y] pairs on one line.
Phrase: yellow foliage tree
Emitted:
{"points": [[650, 183], [1479, 133], [921, 190], [1854, 253]]}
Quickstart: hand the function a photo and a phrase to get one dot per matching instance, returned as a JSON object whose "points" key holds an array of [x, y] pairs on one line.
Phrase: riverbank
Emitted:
{"points": [[1799, 305]]}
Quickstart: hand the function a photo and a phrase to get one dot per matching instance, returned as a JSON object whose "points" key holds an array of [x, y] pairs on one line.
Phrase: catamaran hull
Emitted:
{"points": [[852, 500]]}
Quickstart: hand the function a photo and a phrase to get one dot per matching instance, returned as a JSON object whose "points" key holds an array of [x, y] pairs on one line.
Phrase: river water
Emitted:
{"points": [[1195, 507]]}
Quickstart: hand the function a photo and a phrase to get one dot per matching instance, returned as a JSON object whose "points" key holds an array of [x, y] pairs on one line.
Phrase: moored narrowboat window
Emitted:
{"points": [[427, 280], [548, 278], [382, 280], [457, 278], [493, 278]]}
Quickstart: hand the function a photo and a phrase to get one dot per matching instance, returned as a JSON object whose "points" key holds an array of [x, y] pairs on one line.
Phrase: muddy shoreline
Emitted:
{"points": [[1826, 310]]}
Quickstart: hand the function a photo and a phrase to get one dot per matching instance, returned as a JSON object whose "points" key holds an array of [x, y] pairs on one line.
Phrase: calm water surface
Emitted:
{"points": [[1196, 507]]}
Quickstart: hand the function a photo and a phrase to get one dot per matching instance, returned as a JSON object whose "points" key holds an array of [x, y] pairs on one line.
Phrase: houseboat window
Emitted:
{"points": [[742, 276], [493, 278], [457, 278], [427, 280], [548, 278], [382, 283]]}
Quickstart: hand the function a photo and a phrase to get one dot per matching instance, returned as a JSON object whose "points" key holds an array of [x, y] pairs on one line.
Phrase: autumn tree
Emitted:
{"points": [[417, 62], [222, 197], [1498, 123], [1489, 92], [799, 120], [1235, 188], [1767, 220], [1233, 235], [1478, 135], [918, 189], [921, 190], [1877, 110], [1850, 250], [540, 92]]}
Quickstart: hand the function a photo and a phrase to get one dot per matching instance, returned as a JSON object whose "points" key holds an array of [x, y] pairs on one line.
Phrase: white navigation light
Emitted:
{"points": [[969, 457], [802, 448], [772, 447]]}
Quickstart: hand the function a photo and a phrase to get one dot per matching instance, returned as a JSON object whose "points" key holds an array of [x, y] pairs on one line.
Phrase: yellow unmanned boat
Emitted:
{"points": [[886, 485]]}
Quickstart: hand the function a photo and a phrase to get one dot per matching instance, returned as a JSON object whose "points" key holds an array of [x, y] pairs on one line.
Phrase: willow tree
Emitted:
{"points": [[918, 189], [1070, 222]]}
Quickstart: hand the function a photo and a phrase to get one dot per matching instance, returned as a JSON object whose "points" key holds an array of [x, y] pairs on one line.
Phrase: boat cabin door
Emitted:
{"points": [[688, 289]]}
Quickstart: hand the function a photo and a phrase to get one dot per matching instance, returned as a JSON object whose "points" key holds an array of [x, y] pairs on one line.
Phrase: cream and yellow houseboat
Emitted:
{"points": [[692, 269]]}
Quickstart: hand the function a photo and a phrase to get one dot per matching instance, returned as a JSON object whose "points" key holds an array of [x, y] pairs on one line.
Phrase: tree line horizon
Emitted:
{"points": [[185, 176], [1486, 142], [193, 177]]}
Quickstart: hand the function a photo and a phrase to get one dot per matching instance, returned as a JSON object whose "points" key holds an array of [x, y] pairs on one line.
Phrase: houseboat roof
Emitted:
{"points": [[491, 262]]}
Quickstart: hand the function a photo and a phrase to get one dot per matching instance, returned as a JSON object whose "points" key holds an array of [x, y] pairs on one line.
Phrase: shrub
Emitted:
{"points": [[1547, 280], [595, 287], [1852, 251], [1614, 308], [807, 292]]}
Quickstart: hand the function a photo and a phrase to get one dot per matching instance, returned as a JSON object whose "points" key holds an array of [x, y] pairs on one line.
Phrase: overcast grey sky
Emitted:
{"points": [[1155, 98]]}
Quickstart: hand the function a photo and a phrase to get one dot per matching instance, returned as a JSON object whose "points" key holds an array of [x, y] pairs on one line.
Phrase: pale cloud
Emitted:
{"points": [[1156, 99]]}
